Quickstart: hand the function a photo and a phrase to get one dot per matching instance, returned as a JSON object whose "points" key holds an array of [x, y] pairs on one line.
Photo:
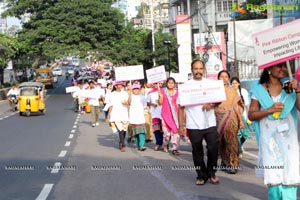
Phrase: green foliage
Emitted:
{"points": [[7, 84], [57, 28], [8, 48], [161, 51], [70, 27]]}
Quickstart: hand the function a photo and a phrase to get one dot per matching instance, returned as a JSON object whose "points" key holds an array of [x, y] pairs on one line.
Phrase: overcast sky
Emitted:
{"points": [[13, 21]]}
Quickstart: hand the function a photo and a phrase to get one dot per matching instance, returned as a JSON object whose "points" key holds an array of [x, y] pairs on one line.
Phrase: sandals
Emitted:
{"points": [[158, 148], [123, 149], [166, 148], [142, 148], [175, 152], [214, 180], [200, 182]]}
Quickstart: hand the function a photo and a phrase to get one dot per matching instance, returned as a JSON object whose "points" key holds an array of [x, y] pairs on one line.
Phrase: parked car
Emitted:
{"points": [[57, 71], [65, 62], [70, 69]]}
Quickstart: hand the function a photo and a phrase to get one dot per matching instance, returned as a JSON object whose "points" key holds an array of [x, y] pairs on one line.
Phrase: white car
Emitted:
{"points": [[70, 70], [55, 78], [57, 71]]}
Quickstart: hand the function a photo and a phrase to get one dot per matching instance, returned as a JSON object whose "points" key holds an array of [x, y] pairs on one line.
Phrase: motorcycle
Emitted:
{"points": [[67, 75], [14, 102]]}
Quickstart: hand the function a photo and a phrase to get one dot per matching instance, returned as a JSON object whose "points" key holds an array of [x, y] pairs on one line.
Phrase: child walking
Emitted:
{"points": [[136, 116]]}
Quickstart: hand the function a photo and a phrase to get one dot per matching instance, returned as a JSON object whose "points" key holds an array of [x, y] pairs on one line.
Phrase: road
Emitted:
{"points": [[60, 156]]}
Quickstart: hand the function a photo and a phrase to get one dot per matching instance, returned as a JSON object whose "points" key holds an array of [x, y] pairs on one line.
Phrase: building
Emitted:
{"points": [[155, 13], [130, 8], [3, 21], [214, 15]]}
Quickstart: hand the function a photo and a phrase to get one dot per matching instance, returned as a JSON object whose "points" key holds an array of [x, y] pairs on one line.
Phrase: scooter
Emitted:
{"points": [[14, 102], [67, 75]]}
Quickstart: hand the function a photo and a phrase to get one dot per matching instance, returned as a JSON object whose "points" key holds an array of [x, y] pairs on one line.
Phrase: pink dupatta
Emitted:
{"points": [[169, 112]]}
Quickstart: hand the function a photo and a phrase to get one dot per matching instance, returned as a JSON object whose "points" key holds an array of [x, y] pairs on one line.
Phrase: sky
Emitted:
{"points": [[13, 21]]}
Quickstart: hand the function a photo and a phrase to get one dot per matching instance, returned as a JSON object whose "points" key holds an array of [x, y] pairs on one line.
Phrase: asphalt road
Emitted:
{"points": [[60, 156]]}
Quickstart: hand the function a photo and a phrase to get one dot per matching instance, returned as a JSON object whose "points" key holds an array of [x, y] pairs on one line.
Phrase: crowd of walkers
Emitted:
{"points": [[154, 111]]}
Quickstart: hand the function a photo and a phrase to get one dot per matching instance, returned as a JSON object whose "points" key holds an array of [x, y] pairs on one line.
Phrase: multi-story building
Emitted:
{"points": [[155, 13], [130, 8], [214, 14], [3, 21]]}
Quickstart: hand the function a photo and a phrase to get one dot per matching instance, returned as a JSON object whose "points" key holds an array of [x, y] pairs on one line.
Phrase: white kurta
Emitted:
{"points": [[279, 151], [119, 111], [136, 109]]}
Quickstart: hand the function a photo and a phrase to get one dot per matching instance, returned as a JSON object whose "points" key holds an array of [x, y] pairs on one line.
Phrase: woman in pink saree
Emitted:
{"points": [[167, 99]]}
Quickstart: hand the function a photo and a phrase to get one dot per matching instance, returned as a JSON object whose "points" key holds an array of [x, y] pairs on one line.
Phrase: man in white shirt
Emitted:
{"points": [[94, 94], [200, 123], [14, 91]]}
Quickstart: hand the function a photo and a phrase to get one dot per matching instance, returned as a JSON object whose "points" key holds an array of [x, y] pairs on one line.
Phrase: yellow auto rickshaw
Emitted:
{"points": [[32, 98]]}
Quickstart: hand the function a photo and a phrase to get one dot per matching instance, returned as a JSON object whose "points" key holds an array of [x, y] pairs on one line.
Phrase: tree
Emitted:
{"points": [[58, 28], [161, 52], [8, 49], [131, 49], [66, 27]]}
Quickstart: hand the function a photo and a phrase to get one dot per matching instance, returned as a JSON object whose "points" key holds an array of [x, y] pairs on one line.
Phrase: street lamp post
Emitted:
{"points": [[168, 43]]}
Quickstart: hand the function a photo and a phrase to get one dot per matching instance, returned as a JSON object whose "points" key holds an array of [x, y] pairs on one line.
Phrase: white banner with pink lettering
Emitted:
{"points": [[277, 45], [201, 93], [156, 74]]}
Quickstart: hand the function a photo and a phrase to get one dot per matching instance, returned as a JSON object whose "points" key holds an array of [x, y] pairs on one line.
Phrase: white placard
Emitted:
{"points": [[71, 89], [179, 77], [102, 81], [201, 93], [156, 75], [127, 73], [277, 45]]}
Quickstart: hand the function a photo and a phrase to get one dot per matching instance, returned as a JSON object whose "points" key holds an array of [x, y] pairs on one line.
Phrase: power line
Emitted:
{"points": [[209, 31]]}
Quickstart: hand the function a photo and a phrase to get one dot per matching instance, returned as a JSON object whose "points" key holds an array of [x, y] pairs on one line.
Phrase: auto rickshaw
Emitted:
{"points": [[32, 98]]}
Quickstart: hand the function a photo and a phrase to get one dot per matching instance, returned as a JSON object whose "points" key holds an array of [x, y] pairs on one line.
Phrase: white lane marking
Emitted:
{"points": [[250, 154], [1, 118], [76, 122], [74, 126], [73, 131], [45, 192], [62, 154], [67, 144], [71, 136], [56, 168], [5, 117]]}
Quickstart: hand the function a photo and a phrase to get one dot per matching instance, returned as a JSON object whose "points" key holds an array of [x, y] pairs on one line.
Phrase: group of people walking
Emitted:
{"points": [[224, 126], [273, 112], [131, 106]]}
